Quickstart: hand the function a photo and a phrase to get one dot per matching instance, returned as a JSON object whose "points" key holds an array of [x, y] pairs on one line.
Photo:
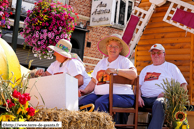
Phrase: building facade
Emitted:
{"points": [[85, 37]]}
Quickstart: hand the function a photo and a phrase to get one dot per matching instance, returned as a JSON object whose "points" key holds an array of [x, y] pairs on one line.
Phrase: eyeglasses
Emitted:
{"points": [[158, 53], [115, 47]]}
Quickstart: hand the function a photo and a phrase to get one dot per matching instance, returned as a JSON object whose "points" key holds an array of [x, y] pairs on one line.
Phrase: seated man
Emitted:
{"points": [[151, 95]]}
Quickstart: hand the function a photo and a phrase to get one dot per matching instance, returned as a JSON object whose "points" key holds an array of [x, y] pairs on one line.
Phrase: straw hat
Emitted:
{"points": [[63, 47], [102, 45]]}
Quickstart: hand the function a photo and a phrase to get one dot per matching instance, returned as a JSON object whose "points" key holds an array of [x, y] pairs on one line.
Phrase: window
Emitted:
{"points": [[123, 11], [63, 1]]}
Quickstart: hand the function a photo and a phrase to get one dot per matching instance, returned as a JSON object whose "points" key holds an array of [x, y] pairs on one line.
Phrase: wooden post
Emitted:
{"points": [[191, 71], [16, 25]]}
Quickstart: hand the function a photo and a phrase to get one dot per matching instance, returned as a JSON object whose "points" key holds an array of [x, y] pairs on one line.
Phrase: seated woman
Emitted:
{"points": [[66, 62], [116, 62]]}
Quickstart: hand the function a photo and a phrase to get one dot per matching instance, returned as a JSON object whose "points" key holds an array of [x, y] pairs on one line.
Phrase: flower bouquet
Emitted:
{"points": [[14, 104], [175, 100], [4, 15], [45, 25]]}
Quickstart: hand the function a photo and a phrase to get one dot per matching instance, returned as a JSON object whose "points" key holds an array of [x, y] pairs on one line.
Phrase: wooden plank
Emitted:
{"points": [[135, 61], [158, 24], [155, 19], [186, 74], [191, 68], [159, 14], [166, 46], [161, 9], [190, 113], [178, 57], [187, 79], [166, 40], [165, 35], [144, 4], [186, 1], [142, 1], [176, 62], [167, 57], [162, 30], [143, 63], [168, 52], [180, 62], [190, 2]]}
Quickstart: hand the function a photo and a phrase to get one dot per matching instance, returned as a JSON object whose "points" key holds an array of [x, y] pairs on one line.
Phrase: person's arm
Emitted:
{"points": [[89, 88], [184, 85], [128, 73], [160, 95], [41, 72], [140, 100], [80, 80]]}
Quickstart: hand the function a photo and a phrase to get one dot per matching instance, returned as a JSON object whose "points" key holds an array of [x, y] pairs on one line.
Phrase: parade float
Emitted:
{"points": [[19, 91], [141, 61]]}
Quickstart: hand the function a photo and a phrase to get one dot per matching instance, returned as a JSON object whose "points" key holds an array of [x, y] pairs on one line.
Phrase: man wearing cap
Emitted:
{"points": [[151, 95]]}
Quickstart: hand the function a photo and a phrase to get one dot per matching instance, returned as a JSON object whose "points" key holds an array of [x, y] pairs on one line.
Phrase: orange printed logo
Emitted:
{"points": [[151, 76], [102, 77]]}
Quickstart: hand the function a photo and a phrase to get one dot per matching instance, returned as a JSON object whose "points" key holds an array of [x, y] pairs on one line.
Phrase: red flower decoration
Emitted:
{"points": [[10, 103], [31, 111], [16, 94], [22, 99], [155, 45], [27, 96]]}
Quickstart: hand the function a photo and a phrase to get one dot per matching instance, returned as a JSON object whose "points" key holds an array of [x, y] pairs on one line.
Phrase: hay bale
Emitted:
{"points": [[75, 119]]}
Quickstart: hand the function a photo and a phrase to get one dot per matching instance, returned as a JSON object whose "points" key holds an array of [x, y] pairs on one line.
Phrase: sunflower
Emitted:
{"points": [[180, 115], [7, 117]]}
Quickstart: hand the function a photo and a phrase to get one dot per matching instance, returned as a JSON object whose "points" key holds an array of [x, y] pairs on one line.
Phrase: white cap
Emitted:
{"points": [[157, 46]]}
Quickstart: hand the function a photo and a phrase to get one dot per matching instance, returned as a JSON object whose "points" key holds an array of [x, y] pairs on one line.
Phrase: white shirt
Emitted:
{"points": [[120, 63], [152, 75], [71, 66]]}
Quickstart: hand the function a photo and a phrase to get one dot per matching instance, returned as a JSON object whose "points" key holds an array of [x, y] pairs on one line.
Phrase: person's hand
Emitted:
{"points": [[81, 93], [160, 95], [141, 102], [40, 72], [110, 70]]}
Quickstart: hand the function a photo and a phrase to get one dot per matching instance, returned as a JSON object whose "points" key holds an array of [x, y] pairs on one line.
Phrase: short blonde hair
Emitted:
{"points": [[116, 40]]}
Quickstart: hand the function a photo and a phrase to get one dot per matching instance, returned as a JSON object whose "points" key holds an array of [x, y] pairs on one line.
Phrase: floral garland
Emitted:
{"points": [[45, 25], [4, 15]]}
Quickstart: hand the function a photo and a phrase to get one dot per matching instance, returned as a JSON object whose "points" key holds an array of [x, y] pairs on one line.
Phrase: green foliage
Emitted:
{"points": [[175, 99]]}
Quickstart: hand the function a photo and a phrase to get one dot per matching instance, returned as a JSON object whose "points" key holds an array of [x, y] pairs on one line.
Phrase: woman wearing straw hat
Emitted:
{"points": [[116, 62], [66, 62]]}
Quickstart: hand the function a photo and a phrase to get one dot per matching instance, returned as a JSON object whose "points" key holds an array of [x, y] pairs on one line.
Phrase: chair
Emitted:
{"points": [[113, 110], [149, 110]]}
